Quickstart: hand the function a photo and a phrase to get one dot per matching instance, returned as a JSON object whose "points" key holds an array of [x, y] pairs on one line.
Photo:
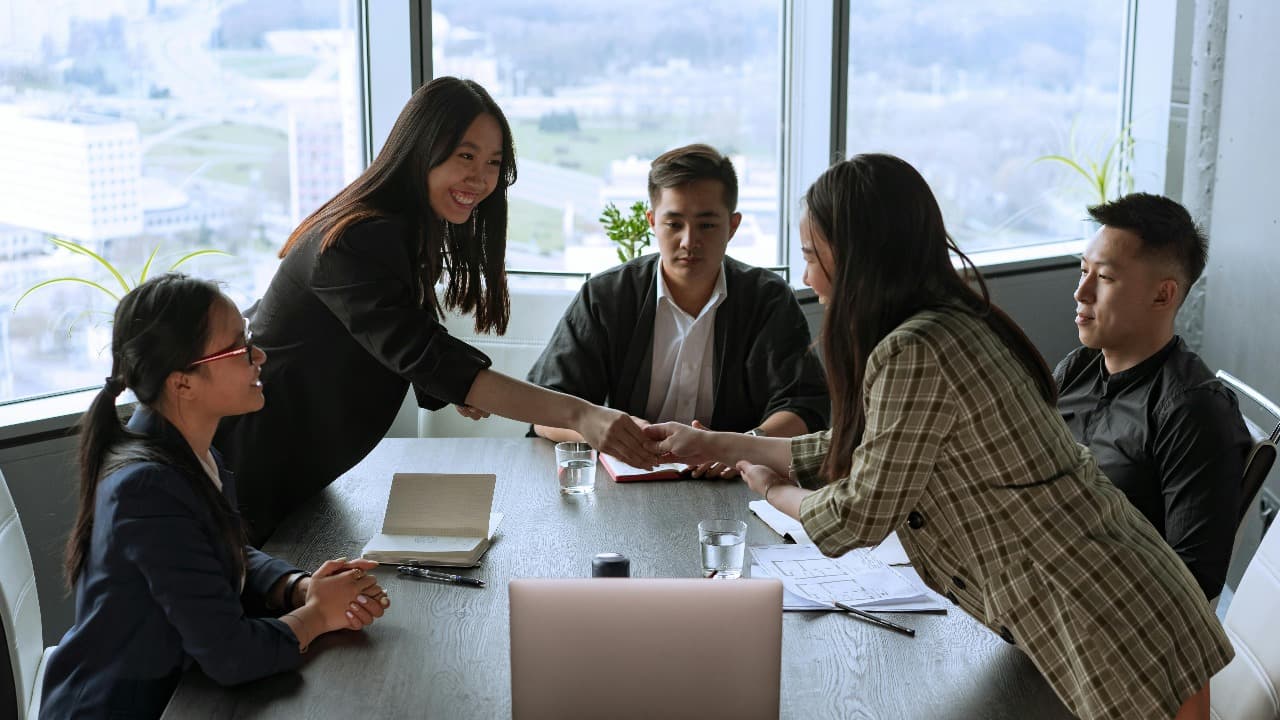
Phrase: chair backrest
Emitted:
{"points": [[19, 603], [1249, 687], [533, 318], [1263, 454]]}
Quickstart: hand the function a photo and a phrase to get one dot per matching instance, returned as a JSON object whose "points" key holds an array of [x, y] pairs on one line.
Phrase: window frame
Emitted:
{"points": [[394, 45]]}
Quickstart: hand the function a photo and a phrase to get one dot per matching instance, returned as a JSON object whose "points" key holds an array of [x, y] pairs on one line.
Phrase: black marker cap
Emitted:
{"points": [[610, 565]]}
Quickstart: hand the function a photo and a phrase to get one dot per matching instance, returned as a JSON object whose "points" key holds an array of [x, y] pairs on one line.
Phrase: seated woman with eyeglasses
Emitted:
{"points": [[157, 556]]}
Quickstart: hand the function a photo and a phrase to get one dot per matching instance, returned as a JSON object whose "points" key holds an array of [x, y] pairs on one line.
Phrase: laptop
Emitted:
{"points": [[645, 648]]}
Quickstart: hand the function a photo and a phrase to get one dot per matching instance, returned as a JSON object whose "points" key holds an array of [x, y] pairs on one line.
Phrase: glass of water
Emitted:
{"points": [[576, 468], [724, 545]]}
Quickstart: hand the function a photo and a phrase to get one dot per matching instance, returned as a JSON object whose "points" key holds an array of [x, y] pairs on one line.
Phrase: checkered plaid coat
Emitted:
{"points": [[1000, 510]]}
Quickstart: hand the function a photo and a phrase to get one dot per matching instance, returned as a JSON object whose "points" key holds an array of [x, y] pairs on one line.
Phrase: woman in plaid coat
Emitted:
{"points": [[944, 428]]}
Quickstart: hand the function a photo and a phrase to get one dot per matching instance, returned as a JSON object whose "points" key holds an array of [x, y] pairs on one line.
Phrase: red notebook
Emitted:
{"points": [[622, 472]]}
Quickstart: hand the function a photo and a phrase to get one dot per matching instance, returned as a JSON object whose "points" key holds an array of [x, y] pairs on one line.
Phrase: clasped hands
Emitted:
{"points": [[635, 441], [695, 445], [345, 593]]}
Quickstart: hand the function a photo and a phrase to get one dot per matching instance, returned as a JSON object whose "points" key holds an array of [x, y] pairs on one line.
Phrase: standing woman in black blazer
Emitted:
{"points": [[157, 557], [351, 318]]}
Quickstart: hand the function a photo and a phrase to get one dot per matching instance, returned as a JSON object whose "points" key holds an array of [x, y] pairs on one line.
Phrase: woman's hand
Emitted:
{"points": [[760, 477], [369, 604], [617, 433], [712, 468], [682, 443], [335, 593], [470, 412]]}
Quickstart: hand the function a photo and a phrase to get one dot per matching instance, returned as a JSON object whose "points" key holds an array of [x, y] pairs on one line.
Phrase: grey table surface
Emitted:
{"points": [[442, 651]]}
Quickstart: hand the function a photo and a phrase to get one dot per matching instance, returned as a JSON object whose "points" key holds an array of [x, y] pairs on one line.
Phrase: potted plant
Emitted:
{"points": [[1110, 176], [126, 283], [631, 232]]}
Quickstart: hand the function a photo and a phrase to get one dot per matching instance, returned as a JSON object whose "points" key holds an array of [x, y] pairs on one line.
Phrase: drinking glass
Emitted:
{"points": [[724, 546], [576, 468]]}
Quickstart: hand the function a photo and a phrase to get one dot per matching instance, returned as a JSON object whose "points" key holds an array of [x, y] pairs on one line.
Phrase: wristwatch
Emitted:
{"points": [[756, 432]]}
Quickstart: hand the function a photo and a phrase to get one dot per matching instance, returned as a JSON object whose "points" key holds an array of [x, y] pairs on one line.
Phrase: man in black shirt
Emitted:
{"points": [[1162, 428]]}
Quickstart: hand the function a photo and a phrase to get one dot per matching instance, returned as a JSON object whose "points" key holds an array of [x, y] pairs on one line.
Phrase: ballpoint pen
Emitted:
{"points": [[439, 576], [863, 615]]}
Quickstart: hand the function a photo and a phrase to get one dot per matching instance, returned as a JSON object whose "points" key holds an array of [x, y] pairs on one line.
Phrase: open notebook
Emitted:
{"points": [[436, 519]]}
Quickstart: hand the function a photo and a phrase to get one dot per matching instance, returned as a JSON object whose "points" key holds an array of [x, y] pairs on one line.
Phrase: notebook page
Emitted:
{"points": [[451, 505]]}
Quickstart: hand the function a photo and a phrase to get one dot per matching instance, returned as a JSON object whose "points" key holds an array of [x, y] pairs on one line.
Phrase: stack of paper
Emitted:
{"points": [[817, 582], [889, 552]]}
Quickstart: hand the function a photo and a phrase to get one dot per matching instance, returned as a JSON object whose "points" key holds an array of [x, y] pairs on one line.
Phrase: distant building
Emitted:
{"points": [[317, 170], [19, 242], [73, 175], [168, 210]]}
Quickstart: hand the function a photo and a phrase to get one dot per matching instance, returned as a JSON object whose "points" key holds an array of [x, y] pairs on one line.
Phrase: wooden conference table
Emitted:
{"points": [[442, 651]]}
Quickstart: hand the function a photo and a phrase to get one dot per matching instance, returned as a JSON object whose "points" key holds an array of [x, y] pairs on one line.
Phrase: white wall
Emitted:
{"points": [[1241, 331]]}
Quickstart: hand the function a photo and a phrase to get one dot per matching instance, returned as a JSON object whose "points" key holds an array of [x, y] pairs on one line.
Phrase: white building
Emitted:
{"points": [[19, 242], [317, 170], [73, 175]]}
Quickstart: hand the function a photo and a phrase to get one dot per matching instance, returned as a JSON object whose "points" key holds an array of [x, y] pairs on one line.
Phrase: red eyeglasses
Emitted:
{"points": [[246, 350]]}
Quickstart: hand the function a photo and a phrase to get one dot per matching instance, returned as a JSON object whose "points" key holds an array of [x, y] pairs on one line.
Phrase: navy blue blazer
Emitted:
{"points": [[158, 593]]}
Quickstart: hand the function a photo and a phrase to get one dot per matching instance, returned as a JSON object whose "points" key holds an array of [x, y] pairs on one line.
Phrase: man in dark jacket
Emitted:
{"points": [[689, 334]]}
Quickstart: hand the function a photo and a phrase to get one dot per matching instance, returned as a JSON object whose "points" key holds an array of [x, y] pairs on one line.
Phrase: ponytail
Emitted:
{"points": [[160, 327], [100, 431]]}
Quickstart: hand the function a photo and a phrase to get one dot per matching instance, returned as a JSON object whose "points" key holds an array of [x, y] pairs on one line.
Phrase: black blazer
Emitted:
{"points": [[602, 350], [346, 332], [158, 593]]}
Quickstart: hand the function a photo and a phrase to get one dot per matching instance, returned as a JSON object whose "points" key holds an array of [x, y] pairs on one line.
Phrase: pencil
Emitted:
{"points": [[862, 615]]}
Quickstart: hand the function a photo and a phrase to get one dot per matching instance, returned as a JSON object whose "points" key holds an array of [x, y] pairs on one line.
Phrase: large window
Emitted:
{"points": [[185, 125], [973, 93], [595, 91], [180, 125]]}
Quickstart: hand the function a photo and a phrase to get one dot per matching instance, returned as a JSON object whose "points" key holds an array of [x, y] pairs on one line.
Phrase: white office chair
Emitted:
{"points": [[533, 318], [1249, 687], [20, 608], [1263, 454]]}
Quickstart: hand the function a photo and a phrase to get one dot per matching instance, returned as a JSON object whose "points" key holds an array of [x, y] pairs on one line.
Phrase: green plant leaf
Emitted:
{"points": [[53, 281], [82, 250], [142, 276], [1069, 163], [195, 254]]}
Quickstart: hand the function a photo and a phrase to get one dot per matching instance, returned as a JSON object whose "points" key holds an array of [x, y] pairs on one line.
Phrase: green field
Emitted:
{"points": [[236, 154], [264, 65], [532, 223], [590, 149]]}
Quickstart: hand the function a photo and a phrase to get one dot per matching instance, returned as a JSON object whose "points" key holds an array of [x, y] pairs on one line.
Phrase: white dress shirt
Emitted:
{"points": [[680, 383]]}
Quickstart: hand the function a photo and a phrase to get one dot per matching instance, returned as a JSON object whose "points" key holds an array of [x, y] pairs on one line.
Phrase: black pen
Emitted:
{"points": [[863, 615], [439, 576]]}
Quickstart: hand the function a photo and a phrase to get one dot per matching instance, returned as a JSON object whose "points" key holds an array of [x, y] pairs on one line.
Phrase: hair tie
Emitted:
{"points": [[113, 386]]}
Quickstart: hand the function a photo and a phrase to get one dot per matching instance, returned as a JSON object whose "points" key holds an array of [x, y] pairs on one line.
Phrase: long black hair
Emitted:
{"points": [[892, 258], [160, 327], [472, 255]]}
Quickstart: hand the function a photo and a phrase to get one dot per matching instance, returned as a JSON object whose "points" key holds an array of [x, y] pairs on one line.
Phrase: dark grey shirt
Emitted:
{"points": [[602, 350], [1171, 437]]}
